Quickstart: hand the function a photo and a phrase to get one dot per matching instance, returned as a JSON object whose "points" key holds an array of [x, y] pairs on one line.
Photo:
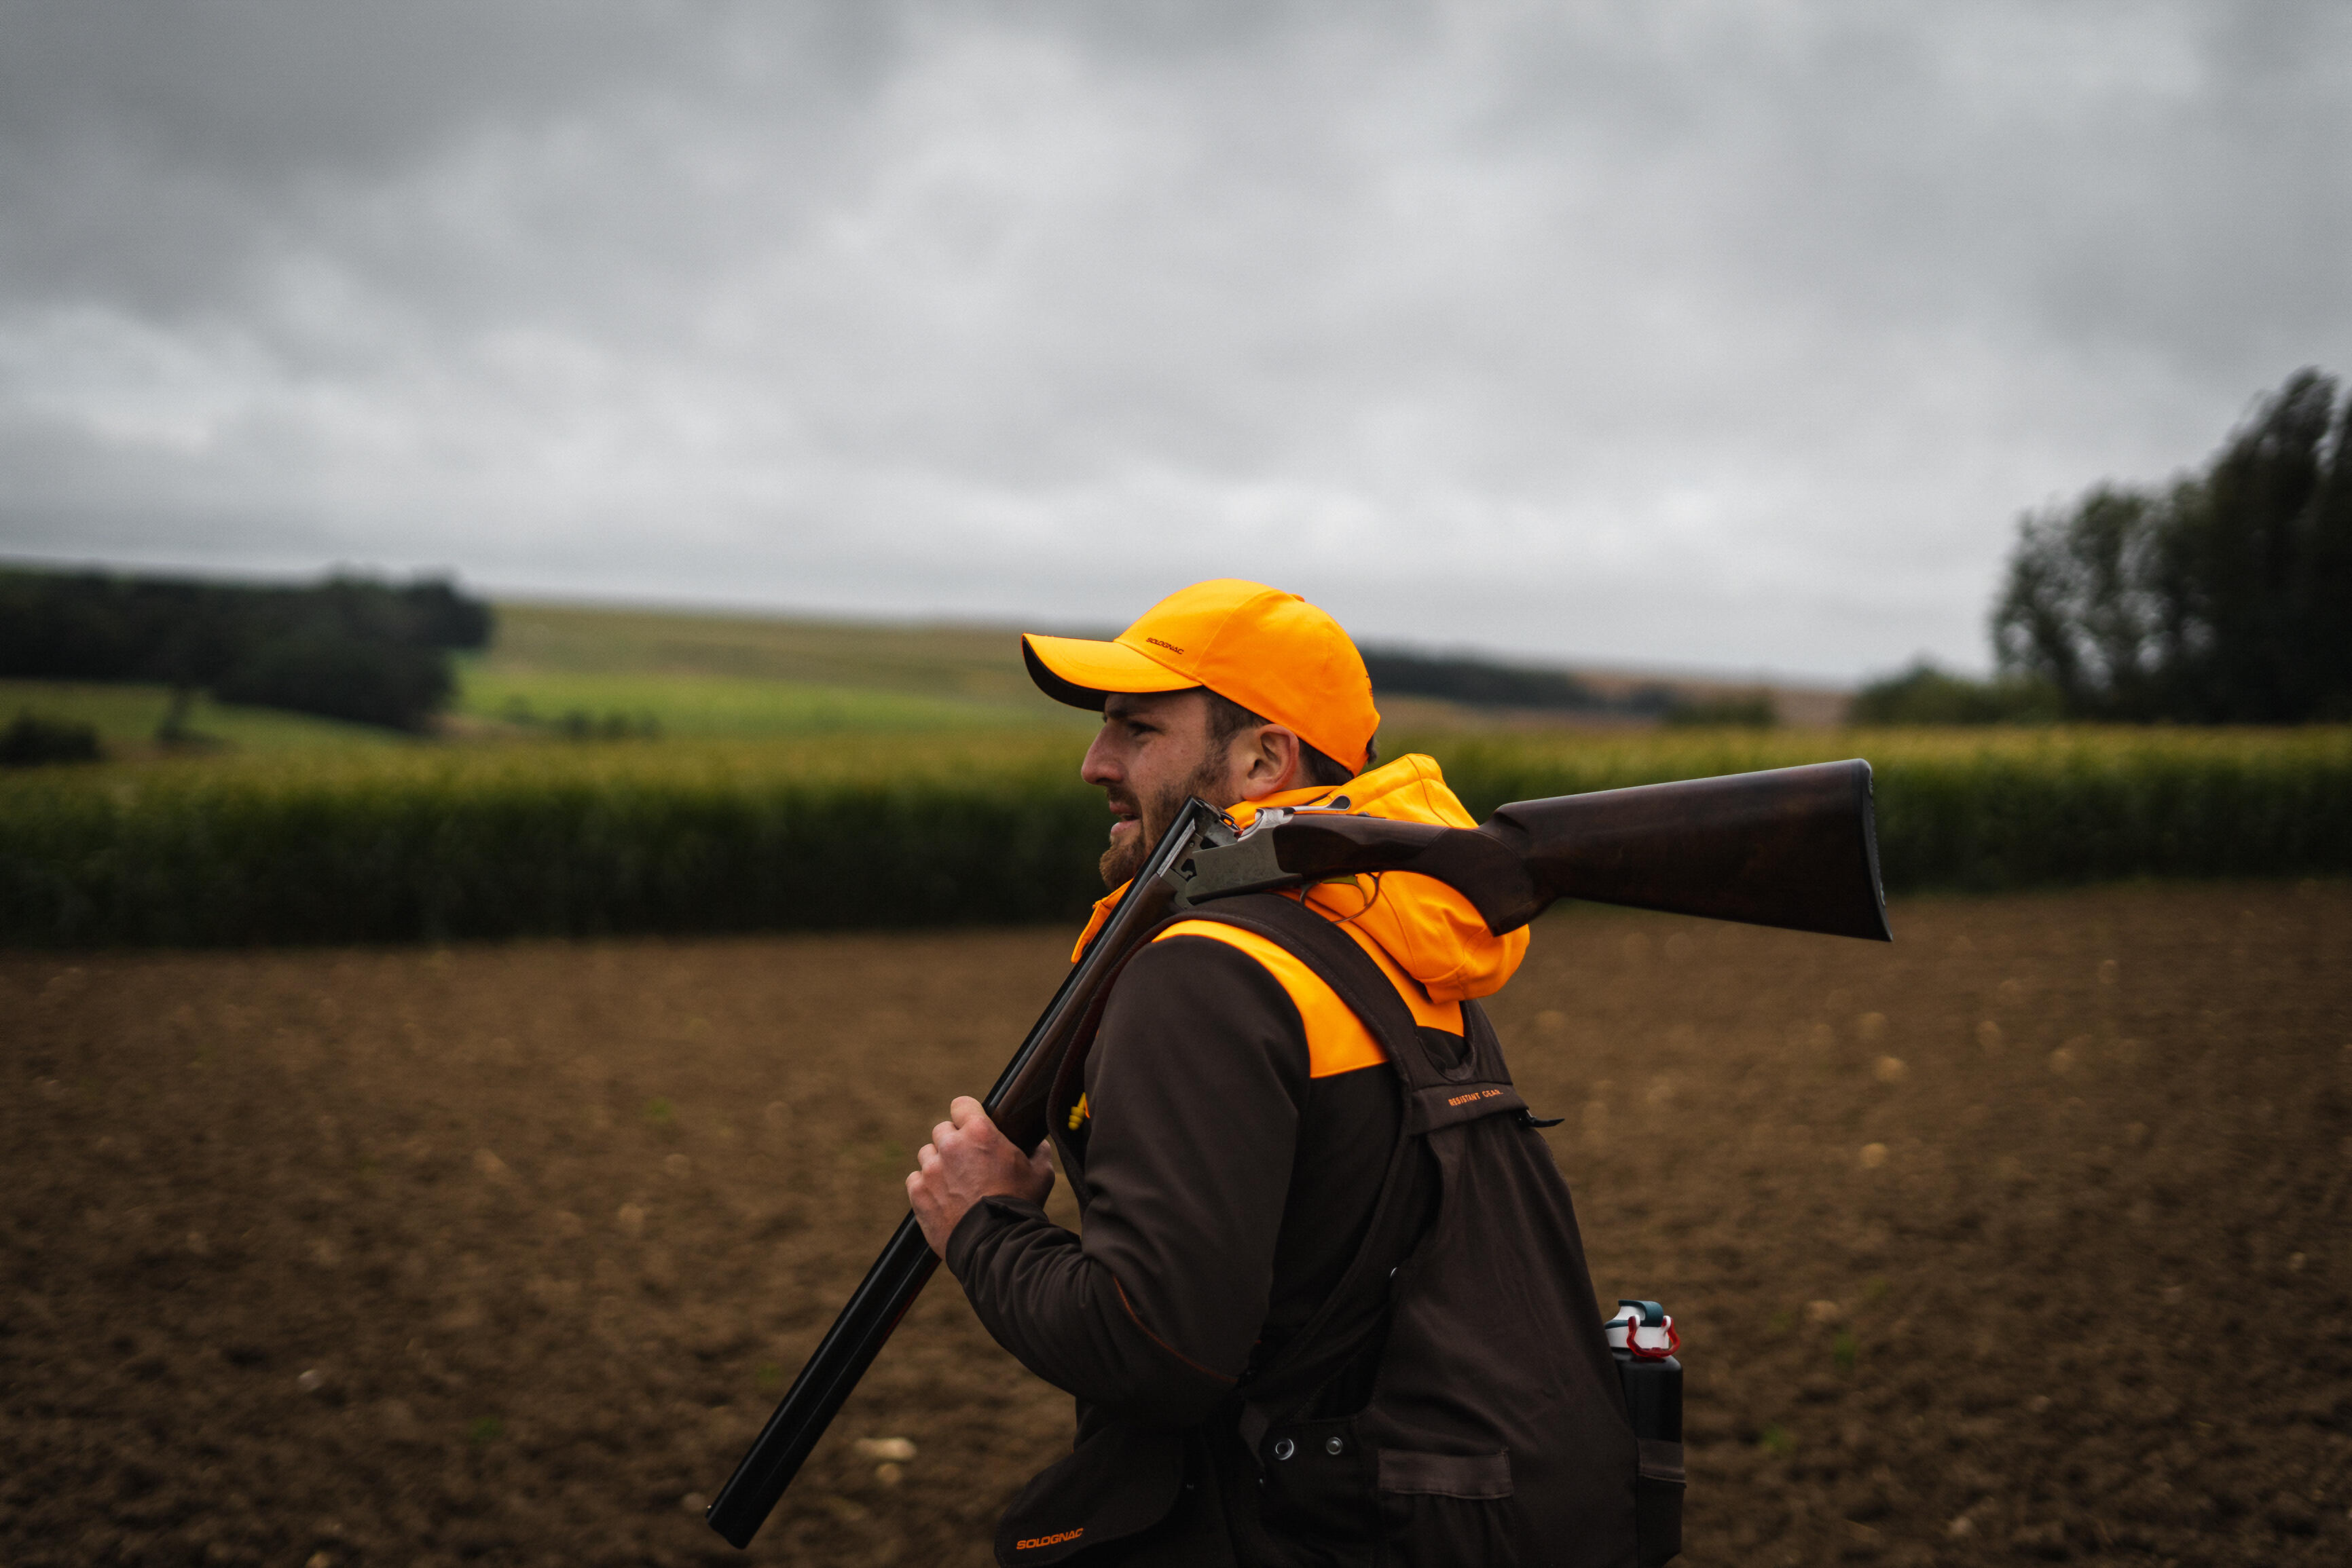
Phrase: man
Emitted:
{"points": [[1251, 1179]]}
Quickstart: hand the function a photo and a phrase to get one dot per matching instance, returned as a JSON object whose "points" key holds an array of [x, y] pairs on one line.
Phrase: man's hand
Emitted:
{"points": [[967, 1160]]}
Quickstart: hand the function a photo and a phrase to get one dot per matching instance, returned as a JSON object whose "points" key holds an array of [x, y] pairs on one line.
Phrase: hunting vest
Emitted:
{"points": [[1479, 1417]]}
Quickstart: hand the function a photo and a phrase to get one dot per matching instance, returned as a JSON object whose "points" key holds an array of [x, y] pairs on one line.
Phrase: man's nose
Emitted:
{"points": [[1099, 768]]}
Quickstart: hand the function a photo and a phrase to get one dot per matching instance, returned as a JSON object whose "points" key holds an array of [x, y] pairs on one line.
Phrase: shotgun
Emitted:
{"points": [[1792, 847]]}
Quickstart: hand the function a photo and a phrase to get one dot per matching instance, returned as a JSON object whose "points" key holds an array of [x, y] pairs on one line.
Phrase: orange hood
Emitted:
{"points": [[1430, 930]]}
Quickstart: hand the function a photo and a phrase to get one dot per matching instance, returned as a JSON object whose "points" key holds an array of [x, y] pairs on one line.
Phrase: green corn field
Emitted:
{"points": [[953, 828], [1979, 810]]}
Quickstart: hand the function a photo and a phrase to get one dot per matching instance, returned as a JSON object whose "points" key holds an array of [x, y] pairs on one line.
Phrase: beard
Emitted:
{"points": [[1123, 860]]}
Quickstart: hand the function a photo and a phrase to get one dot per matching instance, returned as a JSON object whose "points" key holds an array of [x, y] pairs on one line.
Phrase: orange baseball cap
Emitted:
{"points": [[1270, 652]]}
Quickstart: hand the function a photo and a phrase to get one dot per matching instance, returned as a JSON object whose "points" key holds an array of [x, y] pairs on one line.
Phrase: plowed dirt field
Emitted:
{"points": [[2025, 1238]]}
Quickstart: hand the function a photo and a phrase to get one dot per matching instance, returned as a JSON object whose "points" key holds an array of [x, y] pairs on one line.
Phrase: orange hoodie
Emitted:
{"points": [[1415, 924]]}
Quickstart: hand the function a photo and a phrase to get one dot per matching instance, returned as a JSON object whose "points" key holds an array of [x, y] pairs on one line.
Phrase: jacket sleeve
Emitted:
{"points": [[1196, 1084]]}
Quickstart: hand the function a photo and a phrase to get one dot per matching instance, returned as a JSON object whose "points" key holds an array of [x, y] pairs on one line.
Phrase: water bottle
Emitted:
{"points": [[1642, 1339]]}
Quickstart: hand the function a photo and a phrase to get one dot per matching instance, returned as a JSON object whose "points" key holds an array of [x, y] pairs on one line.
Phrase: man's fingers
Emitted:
{"points": [[969, 1159]]}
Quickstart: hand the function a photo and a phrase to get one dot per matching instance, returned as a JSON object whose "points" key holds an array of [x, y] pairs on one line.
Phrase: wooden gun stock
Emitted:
{"points": [[1793, 847]]}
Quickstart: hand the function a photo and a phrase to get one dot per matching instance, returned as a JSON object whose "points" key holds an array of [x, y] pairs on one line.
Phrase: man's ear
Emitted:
{"points": [[1273, 762]]}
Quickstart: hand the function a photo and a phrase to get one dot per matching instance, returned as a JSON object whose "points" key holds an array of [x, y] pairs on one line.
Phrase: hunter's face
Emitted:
{"points": [[1152, 753]]}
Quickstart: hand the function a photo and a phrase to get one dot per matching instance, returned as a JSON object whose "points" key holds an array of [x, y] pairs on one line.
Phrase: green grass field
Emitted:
{"points": [[126, 716], [730, 676], [965, 663], [719, 706]]}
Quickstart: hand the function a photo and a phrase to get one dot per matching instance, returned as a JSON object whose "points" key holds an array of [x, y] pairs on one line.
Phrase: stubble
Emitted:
{"points": [[1121, 862]]}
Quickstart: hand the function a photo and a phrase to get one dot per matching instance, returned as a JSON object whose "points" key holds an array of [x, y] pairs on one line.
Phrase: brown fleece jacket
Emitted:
{"points": [[1221, 1189]]}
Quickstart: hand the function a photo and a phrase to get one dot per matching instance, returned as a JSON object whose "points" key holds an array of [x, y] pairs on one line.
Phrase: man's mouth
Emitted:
{"points": [[1123, 815]]}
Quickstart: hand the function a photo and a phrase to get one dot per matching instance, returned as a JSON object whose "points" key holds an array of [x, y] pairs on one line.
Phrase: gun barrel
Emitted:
{"points": [[824, 1386]]}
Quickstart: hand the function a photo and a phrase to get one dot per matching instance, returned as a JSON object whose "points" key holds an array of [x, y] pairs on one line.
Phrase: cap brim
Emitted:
{"points": [[1080, 673]]}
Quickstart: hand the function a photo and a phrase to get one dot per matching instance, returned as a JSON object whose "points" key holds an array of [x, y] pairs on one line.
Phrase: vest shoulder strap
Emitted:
{"points": [[1438, 1092]]}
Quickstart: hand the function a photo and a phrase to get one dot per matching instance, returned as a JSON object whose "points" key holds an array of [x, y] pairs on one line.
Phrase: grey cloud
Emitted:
{"points": [[1693, 334]]}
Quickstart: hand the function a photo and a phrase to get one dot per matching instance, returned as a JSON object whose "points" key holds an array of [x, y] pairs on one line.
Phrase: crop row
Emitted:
{"points": [[928, 831], [1981, 809]]}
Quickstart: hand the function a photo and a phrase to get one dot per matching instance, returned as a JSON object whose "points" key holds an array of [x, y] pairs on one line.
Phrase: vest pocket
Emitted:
{"points": [[1317, 1481], [1658, 1502], [1445, 1510]]}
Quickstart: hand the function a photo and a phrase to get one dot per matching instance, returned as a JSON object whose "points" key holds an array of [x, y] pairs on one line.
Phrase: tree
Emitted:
{"points": [[2256, 566], [2082, 611], [2224, 598]]}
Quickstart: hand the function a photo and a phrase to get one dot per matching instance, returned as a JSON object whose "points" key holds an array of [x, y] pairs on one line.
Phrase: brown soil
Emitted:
{"points": [[2024, 1237]]}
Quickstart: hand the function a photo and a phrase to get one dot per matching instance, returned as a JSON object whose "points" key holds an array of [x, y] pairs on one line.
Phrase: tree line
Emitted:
{"points": [[1484, 682], [350, 648], [2224, 597]]}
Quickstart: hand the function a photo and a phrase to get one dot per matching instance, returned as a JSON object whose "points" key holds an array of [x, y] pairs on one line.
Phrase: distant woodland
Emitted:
{"points": [[350, 648]]}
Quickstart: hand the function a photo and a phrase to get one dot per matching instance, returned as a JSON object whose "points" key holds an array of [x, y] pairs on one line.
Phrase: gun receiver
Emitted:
{"points": [[1793, 847]]}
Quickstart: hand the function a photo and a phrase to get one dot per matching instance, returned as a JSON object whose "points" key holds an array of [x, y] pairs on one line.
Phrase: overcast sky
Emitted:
{"points": [[1715, 335]]}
